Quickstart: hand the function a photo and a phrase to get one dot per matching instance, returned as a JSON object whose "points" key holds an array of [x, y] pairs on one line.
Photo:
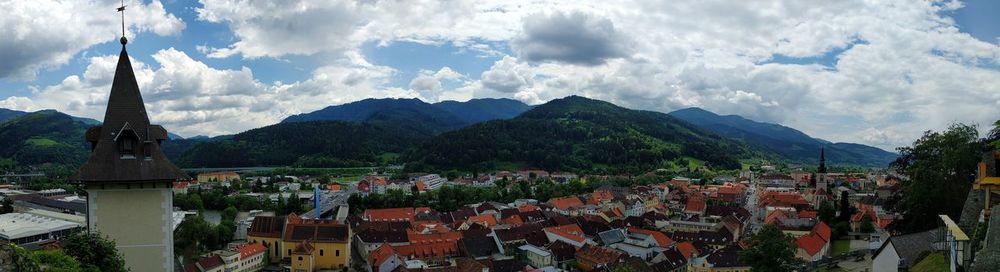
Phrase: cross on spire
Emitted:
{"points": [[122, 10]]}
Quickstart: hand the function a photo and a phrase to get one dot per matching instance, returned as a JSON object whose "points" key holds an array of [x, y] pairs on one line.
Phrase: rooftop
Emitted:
{"points": [[19, 225]]}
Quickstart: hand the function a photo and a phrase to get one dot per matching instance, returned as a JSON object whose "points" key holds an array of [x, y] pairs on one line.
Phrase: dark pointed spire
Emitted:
{"points": [[822, 160], [126, 147]]}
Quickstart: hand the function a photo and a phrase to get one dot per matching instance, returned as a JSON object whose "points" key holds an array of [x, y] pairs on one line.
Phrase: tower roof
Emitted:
{"points": [[822, 160], [126, 147]]}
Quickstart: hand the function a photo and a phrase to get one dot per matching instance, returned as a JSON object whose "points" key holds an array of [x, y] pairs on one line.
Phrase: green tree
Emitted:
{"points": [[867, 226], [826, 212], [57, 261], [770, 250], [229, 214], [94, 252], [941, 167], [6, 205], [845, 207]]}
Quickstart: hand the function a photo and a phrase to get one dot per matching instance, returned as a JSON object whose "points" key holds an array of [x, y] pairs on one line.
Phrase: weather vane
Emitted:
{"points": [[122, 10]]}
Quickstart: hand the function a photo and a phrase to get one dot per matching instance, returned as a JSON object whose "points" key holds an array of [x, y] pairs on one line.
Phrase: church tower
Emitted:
{"points": [[821, 181], [128, 179]]}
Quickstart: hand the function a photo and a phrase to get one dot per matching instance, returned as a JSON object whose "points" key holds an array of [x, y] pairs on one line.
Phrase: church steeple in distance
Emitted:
{"points": [[822, 160]]}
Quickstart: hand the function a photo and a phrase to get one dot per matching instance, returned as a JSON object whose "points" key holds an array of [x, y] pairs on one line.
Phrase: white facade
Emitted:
{"points": [[887, 260], [140, 221], [432, 181]]}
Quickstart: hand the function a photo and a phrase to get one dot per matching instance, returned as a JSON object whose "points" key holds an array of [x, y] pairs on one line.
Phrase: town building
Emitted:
{"points": [[128, 179], [25, 228], [218, 177]]}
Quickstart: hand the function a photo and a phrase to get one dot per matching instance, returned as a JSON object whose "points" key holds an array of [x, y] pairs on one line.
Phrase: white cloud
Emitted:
{"points": [[508, 76], [573, 37], [47, 34], [905, 67]]}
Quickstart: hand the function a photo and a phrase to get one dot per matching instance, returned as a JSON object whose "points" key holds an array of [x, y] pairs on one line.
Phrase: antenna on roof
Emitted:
{"points": [[122, 10]]}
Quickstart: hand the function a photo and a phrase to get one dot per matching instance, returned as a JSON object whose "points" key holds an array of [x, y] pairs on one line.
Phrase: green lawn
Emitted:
{"points": [[40, 142], [932, 263], [347, 179], [840, 246]]}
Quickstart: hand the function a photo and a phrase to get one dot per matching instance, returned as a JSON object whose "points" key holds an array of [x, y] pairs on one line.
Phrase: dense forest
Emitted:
{"points": [[44, 137], [303, 144], [578, 134]]}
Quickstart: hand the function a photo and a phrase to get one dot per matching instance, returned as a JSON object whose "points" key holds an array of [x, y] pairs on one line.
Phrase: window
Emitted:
{"points": [[300, 258], [320, 252], [337, 253], [126, 147], [147, 150], [289, 252]]}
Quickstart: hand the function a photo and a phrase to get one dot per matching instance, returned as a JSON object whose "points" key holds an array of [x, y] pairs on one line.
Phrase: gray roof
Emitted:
{"points": [[126, 118], [611, 236], [909, 247]]}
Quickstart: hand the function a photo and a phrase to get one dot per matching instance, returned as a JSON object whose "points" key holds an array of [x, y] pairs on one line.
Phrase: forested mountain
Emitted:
{"points": [[484, 109], [305, 144], [580, 134], [6, 114], [417, 115], [44, 136], [791, 144]]}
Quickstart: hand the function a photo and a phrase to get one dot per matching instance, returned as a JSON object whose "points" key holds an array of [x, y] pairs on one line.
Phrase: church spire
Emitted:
{"points": [[126, 147], [822, 160]]}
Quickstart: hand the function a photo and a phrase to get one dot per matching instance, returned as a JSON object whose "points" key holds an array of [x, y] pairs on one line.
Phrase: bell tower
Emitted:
{"points": [[128, 179]]}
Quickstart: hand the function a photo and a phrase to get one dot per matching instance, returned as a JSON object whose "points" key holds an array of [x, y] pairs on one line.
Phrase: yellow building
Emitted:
{"points": [[327, 243], [302, 257], [267, 231], [218, 177]]}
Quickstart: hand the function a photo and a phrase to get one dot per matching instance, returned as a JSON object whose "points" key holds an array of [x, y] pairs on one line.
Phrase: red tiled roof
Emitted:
{"points": [[695, 205], [432, 250], [598, 197], [391, 214], [527, 208], [428, 238], [687, 249], [662, 239], [566, 203], [775, 216], [421, 186], [811, 243], [303, 248], [380, 254], [808, 214], [514, 220], [180, 184], [248, 250], [823, 231], [571, 231], [782, 199], [485, 219], [597, 254]]}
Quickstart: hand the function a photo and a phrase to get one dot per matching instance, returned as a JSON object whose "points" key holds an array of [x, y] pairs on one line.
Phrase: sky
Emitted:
{"points": [[871, 72]]}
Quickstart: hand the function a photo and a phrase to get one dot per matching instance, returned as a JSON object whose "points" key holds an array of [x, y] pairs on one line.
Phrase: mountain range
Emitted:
{"points": [[790, 144], [573, 134], [416, 115]]}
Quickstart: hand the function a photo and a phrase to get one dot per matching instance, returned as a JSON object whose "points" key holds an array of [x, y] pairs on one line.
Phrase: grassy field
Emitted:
{"points": [[932, 263], [40, 142], [347, 179], [840, 246]]}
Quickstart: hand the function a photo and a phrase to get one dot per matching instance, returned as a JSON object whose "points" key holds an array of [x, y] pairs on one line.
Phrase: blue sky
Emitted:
{"points": [[839, 71]]}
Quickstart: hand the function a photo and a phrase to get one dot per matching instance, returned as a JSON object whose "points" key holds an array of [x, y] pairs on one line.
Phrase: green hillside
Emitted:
{"points": [[305, 144], [44, 137], [579, 134]]}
